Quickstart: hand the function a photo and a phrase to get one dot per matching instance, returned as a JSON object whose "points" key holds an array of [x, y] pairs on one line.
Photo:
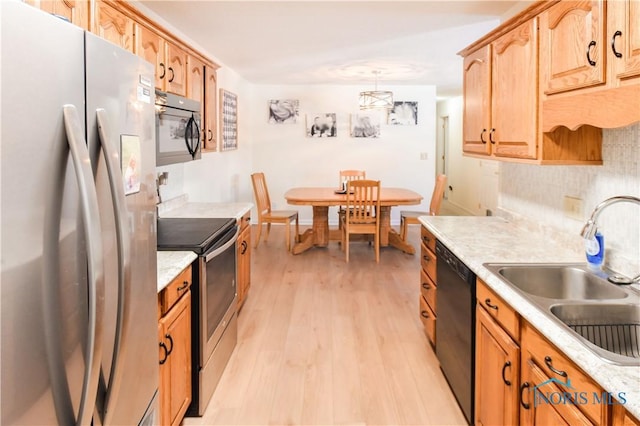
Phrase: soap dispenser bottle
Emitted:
{"points": [[594, 249]]}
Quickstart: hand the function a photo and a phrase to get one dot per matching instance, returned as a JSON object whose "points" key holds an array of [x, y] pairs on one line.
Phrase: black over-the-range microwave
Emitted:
{"points": [[178, 125]]}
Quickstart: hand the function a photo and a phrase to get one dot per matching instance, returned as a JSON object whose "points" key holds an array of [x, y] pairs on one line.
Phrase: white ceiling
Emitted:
{"points": [[338, 42]]}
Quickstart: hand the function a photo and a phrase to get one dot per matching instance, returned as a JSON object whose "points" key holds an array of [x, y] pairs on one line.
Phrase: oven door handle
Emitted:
{"points": [[219, 250]]}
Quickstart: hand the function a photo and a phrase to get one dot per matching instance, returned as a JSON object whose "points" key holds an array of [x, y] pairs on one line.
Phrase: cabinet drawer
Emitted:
{"points": [[557, 366], [428, 319], [498, 309], [179, 286], [428, 290], [428, 262], [428, 239]]}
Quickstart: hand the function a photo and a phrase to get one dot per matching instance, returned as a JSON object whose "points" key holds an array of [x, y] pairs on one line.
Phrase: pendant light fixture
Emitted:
{"points": [[376, 99]]}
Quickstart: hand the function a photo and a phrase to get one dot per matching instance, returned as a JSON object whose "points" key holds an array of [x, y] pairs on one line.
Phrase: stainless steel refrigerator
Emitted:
{"points": [[78, 252]]}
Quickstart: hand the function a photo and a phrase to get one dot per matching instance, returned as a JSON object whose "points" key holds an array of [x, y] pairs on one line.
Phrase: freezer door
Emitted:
{"points": [[121, 137], [44, 312]]}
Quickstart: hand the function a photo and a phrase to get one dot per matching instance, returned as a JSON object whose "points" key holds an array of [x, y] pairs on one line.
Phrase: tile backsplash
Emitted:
{"points": [[534, 196]]}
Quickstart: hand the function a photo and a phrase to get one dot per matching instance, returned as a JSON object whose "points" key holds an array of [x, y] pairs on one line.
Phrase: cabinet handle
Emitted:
{"points": [[166, 353], [547, 361], [425, 314], [491, 136], [524, 386], [164, 70], [426, 286], [426, 240], [184, 285], [244, 247], [168, 336], [481, 136], [613, 43], [210, 135], [591, 62], [504, 367], [487, 302], [426, 258], [172, 75]]}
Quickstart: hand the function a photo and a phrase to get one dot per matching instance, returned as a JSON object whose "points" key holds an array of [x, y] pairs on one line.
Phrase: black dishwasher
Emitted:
{"points": [[455, 326]]}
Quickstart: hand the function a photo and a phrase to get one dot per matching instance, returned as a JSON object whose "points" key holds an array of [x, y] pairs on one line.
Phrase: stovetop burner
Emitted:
{"points": [[192, 234]]}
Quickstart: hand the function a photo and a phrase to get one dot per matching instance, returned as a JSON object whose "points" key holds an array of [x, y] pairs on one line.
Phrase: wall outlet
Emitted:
{"points": [[572, 207], [424, 156]]}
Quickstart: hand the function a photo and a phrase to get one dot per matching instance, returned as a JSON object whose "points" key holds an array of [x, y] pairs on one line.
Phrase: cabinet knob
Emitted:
{"points": [[613, 44], [425, 314], [426, 286]]}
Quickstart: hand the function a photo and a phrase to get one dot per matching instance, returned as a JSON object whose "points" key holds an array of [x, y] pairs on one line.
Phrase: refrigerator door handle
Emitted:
{"points": [[123, 240], [91, 223]]}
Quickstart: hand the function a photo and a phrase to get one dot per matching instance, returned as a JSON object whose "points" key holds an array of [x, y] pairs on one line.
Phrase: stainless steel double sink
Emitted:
{"points": [[605, 317]]}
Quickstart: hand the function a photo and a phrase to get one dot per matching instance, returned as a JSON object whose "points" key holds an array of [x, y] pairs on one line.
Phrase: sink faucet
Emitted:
{"points": [[590, 228]]}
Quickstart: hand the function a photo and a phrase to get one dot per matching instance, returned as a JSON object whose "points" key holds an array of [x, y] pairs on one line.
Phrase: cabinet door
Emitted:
{"points": [[114, 26], [77, 12], [477, 101], [497, 373], [514, 93], [150, 46], [211, 109], [195, 88], [538, 410], [624, 33], [176, 69], [176, 371], [572, 46], [244, 265]]}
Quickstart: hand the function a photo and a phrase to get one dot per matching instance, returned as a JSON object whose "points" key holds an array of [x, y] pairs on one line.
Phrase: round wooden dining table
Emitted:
{"points": [[321, 198]]}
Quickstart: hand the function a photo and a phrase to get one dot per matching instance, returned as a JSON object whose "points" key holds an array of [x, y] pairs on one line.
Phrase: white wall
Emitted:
{"points": [[474, 182], [289, 158]]}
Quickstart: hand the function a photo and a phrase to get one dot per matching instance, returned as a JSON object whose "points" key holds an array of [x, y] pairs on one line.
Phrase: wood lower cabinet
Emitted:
{"points": [[428, 285], [113, 25], [497, 360], [174, 336], [552, 386], [243, 259]]}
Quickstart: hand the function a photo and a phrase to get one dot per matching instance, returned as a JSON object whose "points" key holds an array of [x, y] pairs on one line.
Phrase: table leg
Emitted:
{"points": [[318, 235], [389, 236]]}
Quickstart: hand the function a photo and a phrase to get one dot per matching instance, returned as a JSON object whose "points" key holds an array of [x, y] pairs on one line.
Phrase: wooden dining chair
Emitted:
{"points": [[362, 213], [411, 217], [268, 216], [347, 176]]}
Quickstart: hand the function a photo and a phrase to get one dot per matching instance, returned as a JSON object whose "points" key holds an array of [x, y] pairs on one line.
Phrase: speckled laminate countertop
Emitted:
{"points": [[170, 264], [478, 240], [214, 210]]}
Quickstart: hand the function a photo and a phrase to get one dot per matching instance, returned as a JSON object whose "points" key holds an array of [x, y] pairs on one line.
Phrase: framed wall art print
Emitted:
{"points": [[229, 117]]}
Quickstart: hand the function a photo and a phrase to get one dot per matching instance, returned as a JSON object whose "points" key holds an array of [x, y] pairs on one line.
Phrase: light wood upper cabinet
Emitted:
{"points": [[624, 31], [501, 99], [150, 46], [514, 95], [572, 40], [77, 12], [477, 101], [211, 108], [176, 79], [195, 89], [113, 25]]}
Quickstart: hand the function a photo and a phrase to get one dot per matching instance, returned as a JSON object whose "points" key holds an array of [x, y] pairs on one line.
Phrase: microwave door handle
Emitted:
{"points": [[187, 133], [197, 133], [90, 214], [123, 240]]}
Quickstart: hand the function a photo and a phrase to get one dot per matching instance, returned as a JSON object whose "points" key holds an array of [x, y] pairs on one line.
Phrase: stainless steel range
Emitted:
{"points": [[213, 297]]}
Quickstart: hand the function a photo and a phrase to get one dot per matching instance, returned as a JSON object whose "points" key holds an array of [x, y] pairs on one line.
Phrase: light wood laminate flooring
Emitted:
{"points": [[323, 342]]}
